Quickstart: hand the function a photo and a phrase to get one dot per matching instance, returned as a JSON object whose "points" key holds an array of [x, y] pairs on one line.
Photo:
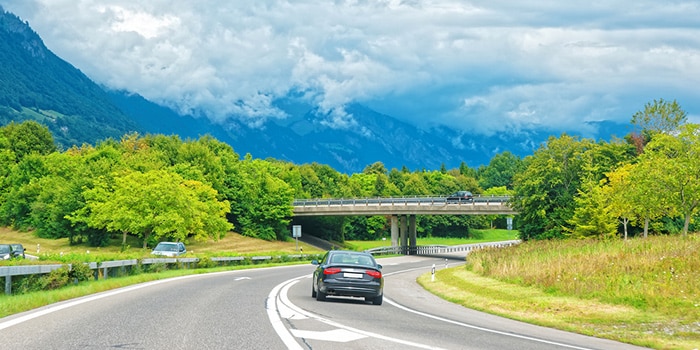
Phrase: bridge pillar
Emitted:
{"points": [[404, 235], [394, 231], [412, 235]]}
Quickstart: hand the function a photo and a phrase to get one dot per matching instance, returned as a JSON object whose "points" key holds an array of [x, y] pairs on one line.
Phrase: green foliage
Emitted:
{"points": [[659, 116], [159, 187], [545, 190], [672, 162], [592, 217], [500, 171], [80, 272], [55, 279]]}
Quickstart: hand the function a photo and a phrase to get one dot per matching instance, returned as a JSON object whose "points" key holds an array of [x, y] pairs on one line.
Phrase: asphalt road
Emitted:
{"points": [[272, 308]]}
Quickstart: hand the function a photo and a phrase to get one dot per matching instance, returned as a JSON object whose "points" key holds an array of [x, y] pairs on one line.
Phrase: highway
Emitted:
{"points": [[272, 308]]}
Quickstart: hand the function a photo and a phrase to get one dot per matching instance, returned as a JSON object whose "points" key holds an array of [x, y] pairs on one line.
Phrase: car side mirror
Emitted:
{"points": [[314, 262], [379, 266]]}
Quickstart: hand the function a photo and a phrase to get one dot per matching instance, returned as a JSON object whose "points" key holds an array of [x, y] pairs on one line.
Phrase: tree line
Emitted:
{"points": [[158, 187]]}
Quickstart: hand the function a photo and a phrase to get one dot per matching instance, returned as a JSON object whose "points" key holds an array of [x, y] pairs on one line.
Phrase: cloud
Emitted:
{"points": [[485, 68]]}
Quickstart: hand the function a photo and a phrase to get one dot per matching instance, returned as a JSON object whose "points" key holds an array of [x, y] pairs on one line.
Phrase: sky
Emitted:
{"points": [[484, 67]]}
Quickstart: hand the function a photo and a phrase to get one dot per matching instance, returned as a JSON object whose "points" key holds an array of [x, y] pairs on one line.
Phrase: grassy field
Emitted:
{"points": [[231, 244], [640, 291]]}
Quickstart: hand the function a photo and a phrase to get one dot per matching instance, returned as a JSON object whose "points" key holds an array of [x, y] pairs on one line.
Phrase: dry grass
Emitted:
{"points": [[231, 244], [640, 291]]}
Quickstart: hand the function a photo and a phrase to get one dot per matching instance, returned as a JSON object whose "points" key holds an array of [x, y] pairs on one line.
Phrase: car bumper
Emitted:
{"points": [[371, 289]]}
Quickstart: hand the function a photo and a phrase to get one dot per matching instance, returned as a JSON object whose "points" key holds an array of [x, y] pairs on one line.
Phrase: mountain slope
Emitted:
{"points": [[35, 84]]}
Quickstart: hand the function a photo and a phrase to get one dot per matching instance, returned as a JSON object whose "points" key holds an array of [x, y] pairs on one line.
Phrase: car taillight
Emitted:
{"points": [[331, 270], [375, 274]]}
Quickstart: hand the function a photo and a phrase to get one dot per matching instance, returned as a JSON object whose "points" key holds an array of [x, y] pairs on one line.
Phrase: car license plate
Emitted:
{"points": [[352, 275]]}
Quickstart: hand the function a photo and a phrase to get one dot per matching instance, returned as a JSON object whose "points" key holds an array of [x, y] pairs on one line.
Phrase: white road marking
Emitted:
{"points": [[336, 335], [276, 321], [58, 307], [278, 297]]}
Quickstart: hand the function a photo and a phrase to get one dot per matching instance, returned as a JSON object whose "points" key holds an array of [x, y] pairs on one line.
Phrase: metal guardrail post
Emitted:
{"points": [[8, 284]]}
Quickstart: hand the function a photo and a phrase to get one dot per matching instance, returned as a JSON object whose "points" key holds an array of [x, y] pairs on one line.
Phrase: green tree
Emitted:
{"points": [[620, 194], [262, 207], [28, 137], [500, 171], [592, 216], [678, 158], [545, 190], [659, 117], [154, 205]]}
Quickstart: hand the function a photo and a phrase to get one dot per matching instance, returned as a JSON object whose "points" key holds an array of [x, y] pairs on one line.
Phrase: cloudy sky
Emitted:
{"points": [[479, 66]]}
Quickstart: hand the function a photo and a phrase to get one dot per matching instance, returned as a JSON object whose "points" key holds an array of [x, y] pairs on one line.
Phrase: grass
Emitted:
{"points": [[640, 291], [59, 250]]}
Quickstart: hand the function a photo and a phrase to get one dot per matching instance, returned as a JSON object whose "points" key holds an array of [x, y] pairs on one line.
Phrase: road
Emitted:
{"points": [[272, 308]]}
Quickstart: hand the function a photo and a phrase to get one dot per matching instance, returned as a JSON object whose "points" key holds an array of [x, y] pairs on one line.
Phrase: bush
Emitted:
{"points": [[80, 272], [55, 279], [206, 263]]}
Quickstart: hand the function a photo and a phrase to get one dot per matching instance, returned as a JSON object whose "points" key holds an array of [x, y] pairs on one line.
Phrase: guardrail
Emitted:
{"points": [[440, 249], [106, 267]]}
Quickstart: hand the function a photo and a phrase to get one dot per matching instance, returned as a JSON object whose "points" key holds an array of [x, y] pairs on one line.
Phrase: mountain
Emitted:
{"points": [[37, 85], [302, 138]]}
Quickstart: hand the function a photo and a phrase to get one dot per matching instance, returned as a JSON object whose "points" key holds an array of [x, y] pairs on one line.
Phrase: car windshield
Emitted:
{"points": [[166, 247], [4, 249]]}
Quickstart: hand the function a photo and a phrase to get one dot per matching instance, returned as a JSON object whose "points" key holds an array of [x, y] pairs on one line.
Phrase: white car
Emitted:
{"points": [[169, 249]]}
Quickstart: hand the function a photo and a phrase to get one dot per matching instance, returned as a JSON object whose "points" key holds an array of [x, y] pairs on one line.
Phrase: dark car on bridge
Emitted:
{"points": [[350, 274], [461, 196]]}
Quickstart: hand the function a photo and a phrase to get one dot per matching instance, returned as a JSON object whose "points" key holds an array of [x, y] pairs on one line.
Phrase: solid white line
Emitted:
{"points": [[94, 297], [482, 328]]}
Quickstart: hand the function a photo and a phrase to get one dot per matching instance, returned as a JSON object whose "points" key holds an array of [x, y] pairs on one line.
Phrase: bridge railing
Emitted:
{"points": [[397, 200]]}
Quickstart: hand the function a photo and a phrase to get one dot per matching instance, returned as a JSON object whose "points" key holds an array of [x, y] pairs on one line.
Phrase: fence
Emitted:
{"points": [[439, 249]]}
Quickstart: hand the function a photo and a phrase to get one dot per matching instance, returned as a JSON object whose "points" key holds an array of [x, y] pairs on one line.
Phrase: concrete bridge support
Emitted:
{"points": [[394, 231], [403, 227]]}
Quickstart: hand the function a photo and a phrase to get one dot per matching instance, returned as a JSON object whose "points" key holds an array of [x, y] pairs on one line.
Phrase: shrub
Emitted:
{"points": [[55, 279], [80, 272], [205, 263]]}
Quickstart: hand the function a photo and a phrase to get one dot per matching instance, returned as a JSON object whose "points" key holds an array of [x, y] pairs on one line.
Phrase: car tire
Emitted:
{"points": [[313, 291], [378, 300], [320, 296]]}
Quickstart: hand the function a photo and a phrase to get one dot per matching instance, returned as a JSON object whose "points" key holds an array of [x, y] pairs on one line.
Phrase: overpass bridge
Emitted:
{"points": [[403, 211]]}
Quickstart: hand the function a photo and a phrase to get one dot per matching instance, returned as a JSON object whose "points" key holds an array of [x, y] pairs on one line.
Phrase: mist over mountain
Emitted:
{"points": [[37, 85]]}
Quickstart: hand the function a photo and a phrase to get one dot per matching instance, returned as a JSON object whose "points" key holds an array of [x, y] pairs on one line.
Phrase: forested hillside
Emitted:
{"points": [[37, 85]]}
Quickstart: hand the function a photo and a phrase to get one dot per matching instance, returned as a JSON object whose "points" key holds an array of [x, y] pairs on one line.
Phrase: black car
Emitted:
{"points": [[461, 196], [348, 273]]}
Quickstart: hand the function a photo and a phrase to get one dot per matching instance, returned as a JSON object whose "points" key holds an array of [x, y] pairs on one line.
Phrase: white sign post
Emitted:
{"points": [[296, 233]]}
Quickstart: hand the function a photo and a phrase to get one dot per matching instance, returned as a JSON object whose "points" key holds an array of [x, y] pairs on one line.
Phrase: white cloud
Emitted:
{"points": [[482, 67]]}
